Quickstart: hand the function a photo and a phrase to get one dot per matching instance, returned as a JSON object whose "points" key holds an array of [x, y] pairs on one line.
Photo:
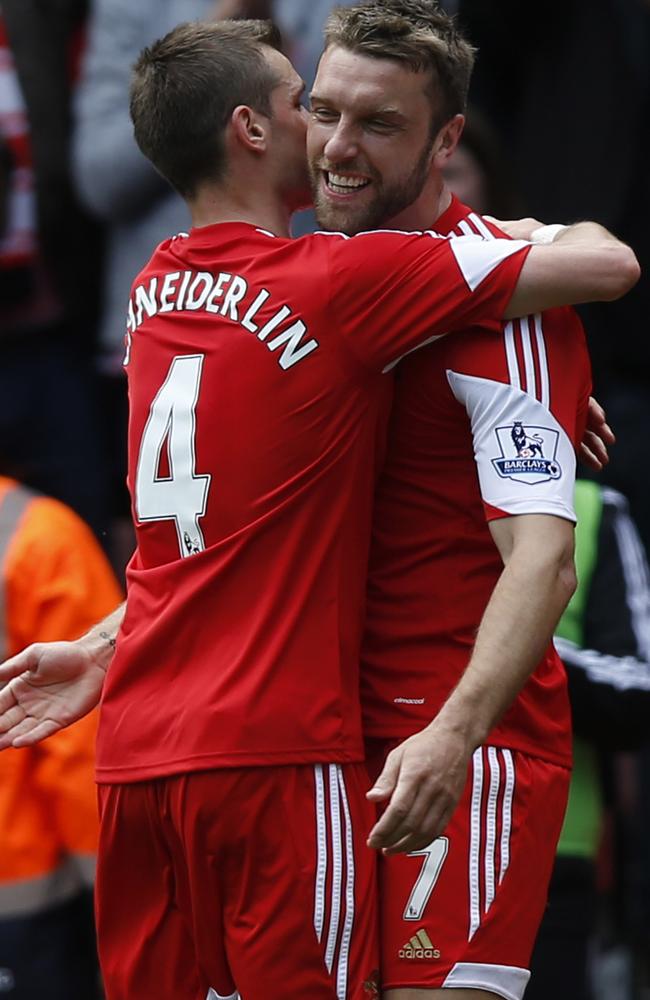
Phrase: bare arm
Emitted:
{"points": [[50, 685], [584, 263], [424, 776]]}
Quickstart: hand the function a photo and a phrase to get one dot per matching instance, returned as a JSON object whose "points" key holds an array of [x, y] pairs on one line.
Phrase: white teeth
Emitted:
{"points": [[341, 181]]}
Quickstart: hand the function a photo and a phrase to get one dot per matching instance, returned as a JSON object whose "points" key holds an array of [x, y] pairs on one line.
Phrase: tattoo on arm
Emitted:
{"points": [[110, 639]]}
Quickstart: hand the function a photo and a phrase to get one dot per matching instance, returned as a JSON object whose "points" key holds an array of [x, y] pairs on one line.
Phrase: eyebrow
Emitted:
{"points": [[388, 113], [385, 112]]}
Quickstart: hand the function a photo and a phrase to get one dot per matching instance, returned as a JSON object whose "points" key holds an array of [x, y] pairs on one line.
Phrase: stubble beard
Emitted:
{"points": [[387, 203]]}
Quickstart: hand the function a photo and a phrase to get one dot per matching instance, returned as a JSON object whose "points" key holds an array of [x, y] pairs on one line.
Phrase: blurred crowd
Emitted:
{"points": [[559, 129]]}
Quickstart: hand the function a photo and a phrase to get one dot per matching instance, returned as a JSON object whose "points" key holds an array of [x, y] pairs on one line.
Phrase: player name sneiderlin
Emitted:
{"points": [[222, 294]]}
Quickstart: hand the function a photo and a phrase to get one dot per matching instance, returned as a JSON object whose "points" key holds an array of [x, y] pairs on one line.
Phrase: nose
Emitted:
{"points": [[342, 144]]}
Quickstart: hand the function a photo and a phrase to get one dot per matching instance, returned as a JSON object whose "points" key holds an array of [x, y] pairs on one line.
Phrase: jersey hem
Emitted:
{"points": [[127, 774], [427, 985], [559, 760], [513, 506]]}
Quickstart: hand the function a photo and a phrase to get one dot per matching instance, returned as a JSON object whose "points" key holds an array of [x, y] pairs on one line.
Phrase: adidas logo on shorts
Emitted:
{"points": [[419, 946]]}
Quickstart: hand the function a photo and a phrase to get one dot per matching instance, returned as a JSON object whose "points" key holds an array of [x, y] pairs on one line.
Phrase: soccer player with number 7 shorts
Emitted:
{"points": [[465, 704]]}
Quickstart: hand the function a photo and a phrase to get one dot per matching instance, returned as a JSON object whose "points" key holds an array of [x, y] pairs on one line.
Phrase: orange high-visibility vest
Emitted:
{"points": [[55, 583]]}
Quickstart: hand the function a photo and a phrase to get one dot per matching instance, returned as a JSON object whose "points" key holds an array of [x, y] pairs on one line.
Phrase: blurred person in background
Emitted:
{"points": [[302, 27], [604, 641], [120, 187], [478, 173], [50, 256], [55, 581]]}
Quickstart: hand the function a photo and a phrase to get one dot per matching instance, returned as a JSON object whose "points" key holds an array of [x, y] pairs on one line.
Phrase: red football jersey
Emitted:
{"points": [[483, 426], [257, 410]]}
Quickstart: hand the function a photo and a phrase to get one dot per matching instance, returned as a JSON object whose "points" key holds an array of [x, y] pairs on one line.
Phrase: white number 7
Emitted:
{"points": [[434, 858], [182, 496]]}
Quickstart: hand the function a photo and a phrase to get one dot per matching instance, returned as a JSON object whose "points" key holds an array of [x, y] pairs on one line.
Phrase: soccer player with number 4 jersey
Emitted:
{"points": [[233, 795]]}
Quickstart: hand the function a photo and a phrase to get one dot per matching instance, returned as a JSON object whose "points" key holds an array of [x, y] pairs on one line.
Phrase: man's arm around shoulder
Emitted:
{"points": [[583, 263]]}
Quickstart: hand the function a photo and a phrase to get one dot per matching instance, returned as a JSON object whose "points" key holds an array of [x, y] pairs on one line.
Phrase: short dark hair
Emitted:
{"points": [[417, 33], [185, 88]]}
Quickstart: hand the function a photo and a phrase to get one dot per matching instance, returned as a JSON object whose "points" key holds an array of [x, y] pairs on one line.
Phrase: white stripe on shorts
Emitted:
{"points": [[506, 817], [490, 826], [346, 937], [475, 844], [321, 852], [334, 844], [337, 866], [483, 850]]}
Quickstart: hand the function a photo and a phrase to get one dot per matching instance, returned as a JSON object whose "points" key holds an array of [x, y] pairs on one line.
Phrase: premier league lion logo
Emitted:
{"points": [[527, 445], [528, 454]]}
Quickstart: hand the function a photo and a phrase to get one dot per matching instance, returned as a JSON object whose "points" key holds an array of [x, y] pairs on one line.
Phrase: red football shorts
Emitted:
{"points": [[465, 911], [249, 879]]}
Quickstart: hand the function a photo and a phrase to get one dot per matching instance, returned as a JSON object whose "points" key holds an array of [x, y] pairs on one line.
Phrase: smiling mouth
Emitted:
{"points": [[344, 184]]}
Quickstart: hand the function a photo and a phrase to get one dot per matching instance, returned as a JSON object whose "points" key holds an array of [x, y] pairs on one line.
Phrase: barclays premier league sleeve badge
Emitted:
{"points": [[528, 453]]}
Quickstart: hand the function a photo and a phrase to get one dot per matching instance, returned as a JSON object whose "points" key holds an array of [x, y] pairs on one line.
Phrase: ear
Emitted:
{"points": [[249, 129], [447, 139]]}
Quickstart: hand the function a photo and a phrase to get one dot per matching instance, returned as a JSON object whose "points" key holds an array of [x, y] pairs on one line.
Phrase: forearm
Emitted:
{"points": [[517, 626], [100, 640], [588, 234], [583, 263]]}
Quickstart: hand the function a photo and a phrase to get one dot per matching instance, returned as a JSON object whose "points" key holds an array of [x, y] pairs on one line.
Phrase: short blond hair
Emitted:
{"points": [[417, 33]]}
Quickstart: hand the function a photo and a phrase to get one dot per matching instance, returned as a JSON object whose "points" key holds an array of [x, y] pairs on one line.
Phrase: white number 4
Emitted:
{"points": [[434, 858], [181, 496]]}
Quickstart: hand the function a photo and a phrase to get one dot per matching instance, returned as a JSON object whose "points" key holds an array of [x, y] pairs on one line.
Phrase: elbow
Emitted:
{"points": [[563, 556], [623, 272], [567, 578], [551, 567]]}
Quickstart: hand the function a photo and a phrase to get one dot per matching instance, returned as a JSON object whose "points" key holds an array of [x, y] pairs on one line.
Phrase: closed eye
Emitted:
{"points": [[380, 125], [324, 114]]}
